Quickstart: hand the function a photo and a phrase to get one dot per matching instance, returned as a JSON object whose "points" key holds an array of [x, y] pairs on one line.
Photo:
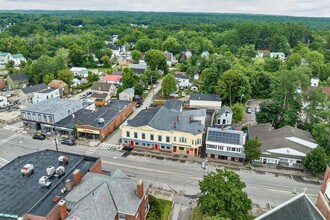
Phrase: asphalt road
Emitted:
{"points": [[263, 189]]}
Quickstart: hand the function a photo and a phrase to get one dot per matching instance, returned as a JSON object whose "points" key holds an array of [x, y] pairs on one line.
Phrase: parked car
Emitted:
{"points": [[154, 86], [149, 87], [258, 108], [68, 142], [39, 136], [248, 110], [138, 105]]}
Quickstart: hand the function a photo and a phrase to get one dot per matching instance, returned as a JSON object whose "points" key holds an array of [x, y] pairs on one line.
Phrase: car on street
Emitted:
{"points": [[248, 110], [154, 86], [149, 87], [258, 108], [68, 142], [138, 105], [39, 136]]}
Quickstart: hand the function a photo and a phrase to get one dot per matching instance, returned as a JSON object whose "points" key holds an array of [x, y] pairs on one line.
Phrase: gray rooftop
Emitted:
{"points": [[225, 136], [173, 104], [101, 86], [34, 88], [204, 97], [107, 112], [112, 194], [297, 208], [21, 194], [48, 90], [162, 118], [69, 121], [18, 77], [223, 110], [181, 76], [128, 91], [51, 106]]}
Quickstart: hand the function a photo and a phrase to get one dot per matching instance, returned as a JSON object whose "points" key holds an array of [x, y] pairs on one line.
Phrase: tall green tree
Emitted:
{"points": [[252, 149], [168, 84], [316, 160], [76, 54], [223, 195], [129, 79], [144, 44], [136, 55], [106, 61], [65, 75], [238, 112], [156, 60]]}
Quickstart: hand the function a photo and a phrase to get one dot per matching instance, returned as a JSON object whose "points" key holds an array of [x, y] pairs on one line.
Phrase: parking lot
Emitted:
{"points": [[250, 118]]}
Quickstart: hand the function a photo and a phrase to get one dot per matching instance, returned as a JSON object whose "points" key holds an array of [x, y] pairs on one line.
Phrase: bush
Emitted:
{"points": [[159, 209]]}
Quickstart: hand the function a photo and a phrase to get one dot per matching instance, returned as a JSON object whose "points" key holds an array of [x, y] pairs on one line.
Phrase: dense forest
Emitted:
{"points": [[55, 40]]}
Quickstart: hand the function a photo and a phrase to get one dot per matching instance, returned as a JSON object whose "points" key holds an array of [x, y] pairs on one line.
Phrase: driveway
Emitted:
{"points": [[251, 118]]}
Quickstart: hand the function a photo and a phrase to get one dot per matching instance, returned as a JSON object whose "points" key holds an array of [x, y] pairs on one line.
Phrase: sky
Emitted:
{"points": [[310, 8]]}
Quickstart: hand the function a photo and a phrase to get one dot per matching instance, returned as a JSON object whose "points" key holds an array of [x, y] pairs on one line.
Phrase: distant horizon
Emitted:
{"points": [[292, 8]]}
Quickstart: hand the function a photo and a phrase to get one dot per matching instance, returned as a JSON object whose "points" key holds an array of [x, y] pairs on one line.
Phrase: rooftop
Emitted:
{"points": [[56, 83], [114, 78], [173, 104], [34, 88], [17, 56], [300, 207], [181, 76], [107, 112], [117, 73], [217, 135], [224, 109], [78, 69], [101, 86], [107, 195], [138, 66], [51, 106], [128, 91], [18, 76], [22, 194], [48, 90], [204, 97], [69, 121]]}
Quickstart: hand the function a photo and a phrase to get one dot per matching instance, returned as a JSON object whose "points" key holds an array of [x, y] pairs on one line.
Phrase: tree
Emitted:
{"points": [[272, 64], [269, 112], [316, 160], [238, 112], [252, 149], [168, 85], [321, 133], [47, 78], [136, 55], [138, 89], [92, 77], [65, 75], [76, 55], [156, 60], [106, 61], [144, 44], [129, 79], [223, 195]]}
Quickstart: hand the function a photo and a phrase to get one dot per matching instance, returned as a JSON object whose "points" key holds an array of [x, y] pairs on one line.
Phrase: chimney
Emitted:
{"points": [[140, 189], [68, 184], [76, 177], [174, 125], [63, 209]]}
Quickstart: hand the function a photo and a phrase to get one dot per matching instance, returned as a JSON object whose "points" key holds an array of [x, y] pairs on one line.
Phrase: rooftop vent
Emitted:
{"points": [[50, 171], [44, 181], [27, 170], [60, 171], [63, 160], [100, 120]]}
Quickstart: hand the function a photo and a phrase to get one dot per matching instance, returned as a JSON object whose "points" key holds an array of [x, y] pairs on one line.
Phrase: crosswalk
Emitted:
{"points": [[3, 162], [110, 146], [91, 151], [11, 128], [3, 141]]}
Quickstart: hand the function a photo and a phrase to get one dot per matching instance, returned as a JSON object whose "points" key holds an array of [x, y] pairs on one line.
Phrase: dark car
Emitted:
{"points": [[68, 142], [248, 110], [138, 105], [39, 136]]}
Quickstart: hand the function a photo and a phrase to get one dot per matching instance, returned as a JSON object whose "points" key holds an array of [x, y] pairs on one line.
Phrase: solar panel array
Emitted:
{"points": [[223, 137]]}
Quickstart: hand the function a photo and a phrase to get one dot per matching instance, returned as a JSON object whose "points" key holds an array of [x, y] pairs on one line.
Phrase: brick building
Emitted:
{"points": [[323, 199]]}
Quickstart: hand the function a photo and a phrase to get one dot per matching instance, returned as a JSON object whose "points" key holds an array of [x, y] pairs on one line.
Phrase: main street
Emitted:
{"points": [[264, 189]]}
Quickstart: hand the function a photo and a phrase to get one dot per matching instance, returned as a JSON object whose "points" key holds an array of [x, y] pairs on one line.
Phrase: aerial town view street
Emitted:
{"points": [[115, 113]]}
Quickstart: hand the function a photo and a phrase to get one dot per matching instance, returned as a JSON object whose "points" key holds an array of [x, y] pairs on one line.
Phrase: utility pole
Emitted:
{"points": [[55, 140]]}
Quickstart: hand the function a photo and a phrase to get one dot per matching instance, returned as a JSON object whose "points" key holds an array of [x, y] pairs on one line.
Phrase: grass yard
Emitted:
{"points": [[196, 214], [159, 209]]}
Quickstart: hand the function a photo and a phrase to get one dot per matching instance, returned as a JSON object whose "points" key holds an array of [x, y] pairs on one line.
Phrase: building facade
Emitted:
{"points": [[79, 71], [225, 144], [182, 81], [17, 81], [49, 93], [224, 117], [3, 101], [208, 101], [127, 94], [26, 94]]}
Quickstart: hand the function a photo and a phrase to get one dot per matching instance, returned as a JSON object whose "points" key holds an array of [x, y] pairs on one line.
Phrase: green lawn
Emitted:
{"points": [[159, 209], [196, 214]]}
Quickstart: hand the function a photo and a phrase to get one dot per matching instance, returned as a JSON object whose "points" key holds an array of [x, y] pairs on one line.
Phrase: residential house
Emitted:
{"points": [[26, 94], [2, 83], [263, 53], [31, 194], [127, 94], [323, 197], [225, 144], [17, 81], [99, 124], [124, 61], [170, 59], [43, 115], [5, 57], [111, 79], [115, 50], [75, 82], [196, 76], [79, 71], [49, 93], [103, 90], [138, 68], [208, 101], [18, 59], [315, 81], [182, 81], [164, 130], [205, 54], [185, 55], [3, 101], [117, 73], [174, 104], [59, 84], [112, 39], [108, 197], [224, 117], [278, 55], [285, 146], [299, 207]]}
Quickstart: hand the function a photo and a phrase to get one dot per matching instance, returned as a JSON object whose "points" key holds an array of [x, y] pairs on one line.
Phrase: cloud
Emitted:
{"points": [[314, 8]]}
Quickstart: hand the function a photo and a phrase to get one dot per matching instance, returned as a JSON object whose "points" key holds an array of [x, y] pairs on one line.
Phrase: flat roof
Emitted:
{"points": [[78, 117], [204, 97], [21, 194], [107, 112], [51, 106]]}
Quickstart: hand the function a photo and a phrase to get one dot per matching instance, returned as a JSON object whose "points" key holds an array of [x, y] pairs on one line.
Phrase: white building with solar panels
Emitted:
{"points": [[225, 144]]}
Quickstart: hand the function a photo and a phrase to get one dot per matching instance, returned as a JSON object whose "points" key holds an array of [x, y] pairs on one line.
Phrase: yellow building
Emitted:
{"points": [[165, 130]]}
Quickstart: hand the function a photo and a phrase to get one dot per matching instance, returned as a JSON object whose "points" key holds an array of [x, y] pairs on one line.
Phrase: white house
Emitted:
{"points": [[196, 76], [182, 81], [5, 57], [315, 81], [49, 93], [205, 54], [127, 94], [225, 116], [3, 101], [79, 71], [75, 82], [225, 145], [208, 101], [18, 59], [170, 59], [278, 55]]}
